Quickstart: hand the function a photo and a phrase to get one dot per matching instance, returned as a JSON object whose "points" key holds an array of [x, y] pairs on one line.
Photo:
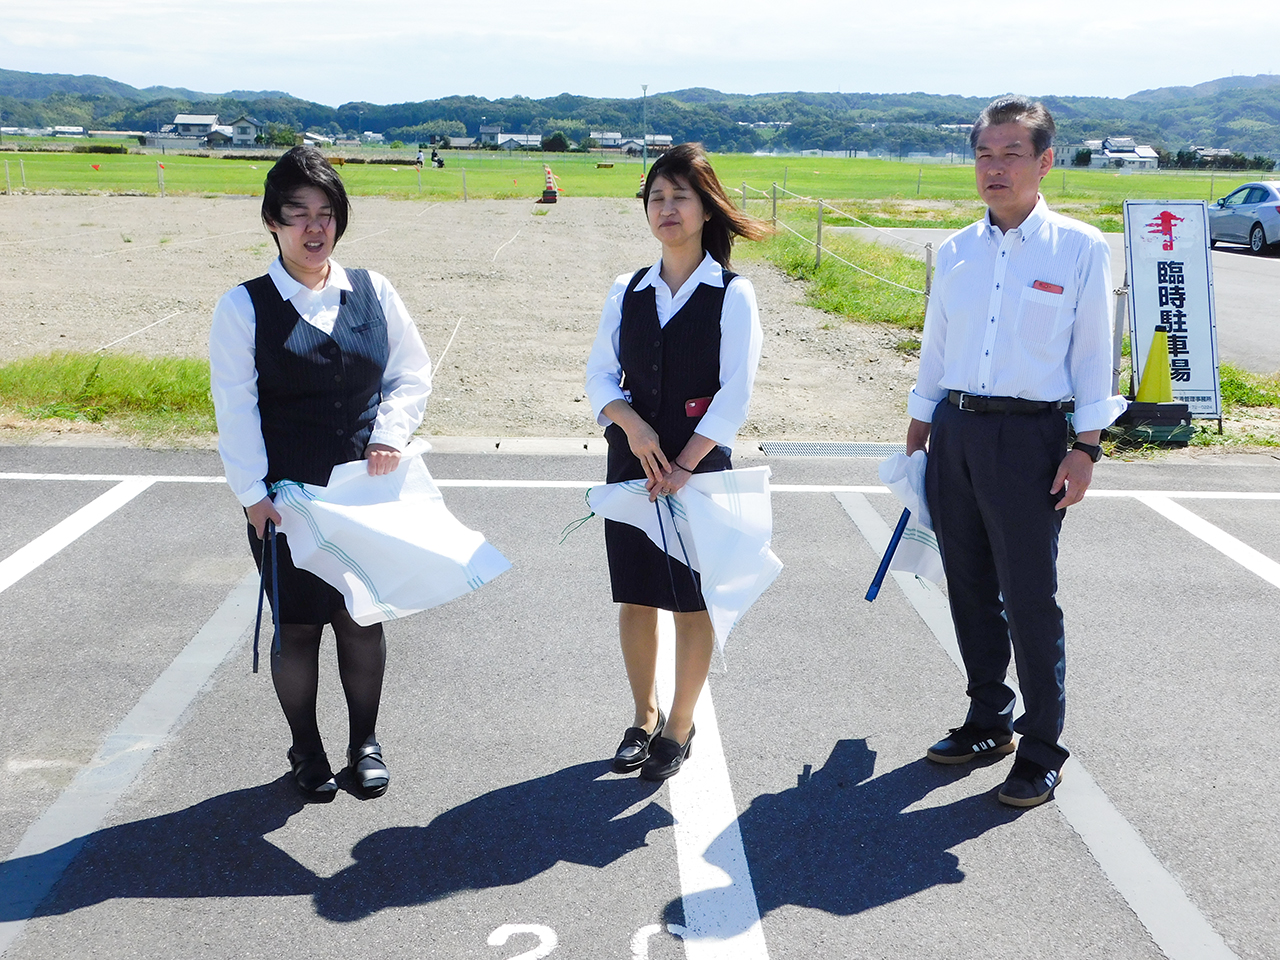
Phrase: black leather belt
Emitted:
{"points": [[973, 403]]}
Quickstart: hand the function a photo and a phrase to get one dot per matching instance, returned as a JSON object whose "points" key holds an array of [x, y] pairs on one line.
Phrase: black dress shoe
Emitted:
{"points": [[312, 775], [666, 757], [635, 746], [365, 763], [968, 742], [1028, 784]]}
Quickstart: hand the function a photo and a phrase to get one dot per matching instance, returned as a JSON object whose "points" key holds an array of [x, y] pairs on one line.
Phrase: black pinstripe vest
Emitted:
{"points": [[665, 366], [318, 394]]}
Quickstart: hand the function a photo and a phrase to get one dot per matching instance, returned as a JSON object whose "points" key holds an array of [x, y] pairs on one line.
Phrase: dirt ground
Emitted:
{"points": [[521, 283]]}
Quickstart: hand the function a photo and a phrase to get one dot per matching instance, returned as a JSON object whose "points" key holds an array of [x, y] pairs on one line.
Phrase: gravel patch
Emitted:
{"points": [[521, 283]]}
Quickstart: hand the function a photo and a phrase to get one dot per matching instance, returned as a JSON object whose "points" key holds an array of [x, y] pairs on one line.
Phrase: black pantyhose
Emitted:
{"points": [[295, 671], [362, 658]]}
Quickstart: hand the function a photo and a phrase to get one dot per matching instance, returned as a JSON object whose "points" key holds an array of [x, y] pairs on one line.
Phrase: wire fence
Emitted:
{"points": [[820, 249]]}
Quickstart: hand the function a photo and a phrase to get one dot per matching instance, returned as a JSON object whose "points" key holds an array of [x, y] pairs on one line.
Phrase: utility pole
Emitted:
{"points": [[644, 128]]}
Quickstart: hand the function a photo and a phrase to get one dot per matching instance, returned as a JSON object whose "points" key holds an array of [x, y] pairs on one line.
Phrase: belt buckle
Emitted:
{"points": [[964, 398]]}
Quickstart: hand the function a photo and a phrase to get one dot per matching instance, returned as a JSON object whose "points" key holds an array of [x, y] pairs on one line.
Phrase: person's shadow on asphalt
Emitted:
{"points": [[842, 842], [217, 848], [838, 841]]}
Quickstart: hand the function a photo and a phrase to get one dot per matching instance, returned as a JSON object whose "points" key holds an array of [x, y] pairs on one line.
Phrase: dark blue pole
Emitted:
{"points": [[874, 590]]}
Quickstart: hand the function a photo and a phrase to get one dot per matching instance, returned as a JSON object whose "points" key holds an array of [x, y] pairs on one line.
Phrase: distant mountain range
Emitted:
{"points": [[1242, 113]]}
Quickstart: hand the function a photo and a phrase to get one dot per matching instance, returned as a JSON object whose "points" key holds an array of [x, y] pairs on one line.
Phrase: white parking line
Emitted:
{"points": [[584, 484], [16, 566], [53, 841], [1176, 925], [721, 918], [1219, 539]]}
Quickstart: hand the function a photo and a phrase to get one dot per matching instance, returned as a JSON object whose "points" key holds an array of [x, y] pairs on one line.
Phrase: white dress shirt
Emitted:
{"points": [[741, 340], [406, 381], [1026, 314]]}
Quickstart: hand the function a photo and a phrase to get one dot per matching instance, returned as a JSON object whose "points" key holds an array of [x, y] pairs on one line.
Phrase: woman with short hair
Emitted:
{"points": [[312, 366]]}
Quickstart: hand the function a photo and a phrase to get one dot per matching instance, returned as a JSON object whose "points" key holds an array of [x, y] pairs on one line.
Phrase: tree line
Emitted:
{"points": [[1244, 118]]}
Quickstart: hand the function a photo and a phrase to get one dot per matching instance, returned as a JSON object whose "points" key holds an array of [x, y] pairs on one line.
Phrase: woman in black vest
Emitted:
{"points": [[313, 366], [670, 378]]}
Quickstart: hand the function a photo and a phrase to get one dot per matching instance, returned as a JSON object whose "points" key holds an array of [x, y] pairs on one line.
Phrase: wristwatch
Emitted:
{"points": [[1093, 450]]}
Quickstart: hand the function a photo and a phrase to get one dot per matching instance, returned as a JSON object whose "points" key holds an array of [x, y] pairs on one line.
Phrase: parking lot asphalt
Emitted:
{"points": [[146, 809]]}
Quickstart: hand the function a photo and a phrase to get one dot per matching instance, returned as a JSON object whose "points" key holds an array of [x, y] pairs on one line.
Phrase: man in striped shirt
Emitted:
{"points": [[1019, 322]]}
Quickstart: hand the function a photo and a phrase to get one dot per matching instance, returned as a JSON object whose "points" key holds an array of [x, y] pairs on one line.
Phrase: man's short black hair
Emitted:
{"points": [[1014, 109], [304, 167]]}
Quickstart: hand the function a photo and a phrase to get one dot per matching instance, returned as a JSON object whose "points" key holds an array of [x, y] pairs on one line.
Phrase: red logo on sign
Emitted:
{"points": [[1163, 225]]}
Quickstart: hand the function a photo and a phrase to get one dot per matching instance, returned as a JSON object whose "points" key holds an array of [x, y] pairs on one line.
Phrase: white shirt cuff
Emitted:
{"points": [[921, 408], [718, 429], [1097, 416], [254, 494]]}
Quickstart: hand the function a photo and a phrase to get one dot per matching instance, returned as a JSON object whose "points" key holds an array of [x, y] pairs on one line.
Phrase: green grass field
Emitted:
{"points": [[500, 175]]}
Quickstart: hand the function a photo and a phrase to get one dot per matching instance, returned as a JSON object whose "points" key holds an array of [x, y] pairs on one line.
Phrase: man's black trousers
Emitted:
{"points": [[987, 482]]}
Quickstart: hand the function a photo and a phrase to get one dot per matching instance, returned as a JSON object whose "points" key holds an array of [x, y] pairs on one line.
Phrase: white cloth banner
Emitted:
{"points": [[917, 551], [388, 544], [720, 524]]}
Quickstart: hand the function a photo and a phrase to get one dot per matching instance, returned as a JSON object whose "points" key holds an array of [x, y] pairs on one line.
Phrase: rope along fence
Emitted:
{"points": [[820, 250]]}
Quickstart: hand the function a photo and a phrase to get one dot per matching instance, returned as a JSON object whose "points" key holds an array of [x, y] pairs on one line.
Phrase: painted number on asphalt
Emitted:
{"points": [[548, 941]]}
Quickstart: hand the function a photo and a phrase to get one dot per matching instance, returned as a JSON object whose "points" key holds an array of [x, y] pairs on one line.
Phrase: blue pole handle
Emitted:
{"points": [[874, 590]]}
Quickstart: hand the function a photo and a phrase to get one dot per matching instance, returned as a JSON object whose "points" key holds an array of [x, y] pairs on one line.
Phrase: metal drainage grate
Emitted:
{"points": [[788, 448]]}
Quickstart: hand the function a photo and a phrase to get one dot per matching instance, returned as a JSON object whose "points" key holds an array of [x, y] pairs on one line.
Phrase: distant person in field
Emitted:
{"points": [[1020, 322], [418, 162], [436, 160], [312, 366], [670, 378]]}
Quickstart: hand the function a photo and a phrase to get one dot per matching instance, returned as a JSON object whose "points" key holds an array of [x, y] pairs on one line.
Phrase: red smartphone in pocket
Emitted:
{"points": [[696, 408]]}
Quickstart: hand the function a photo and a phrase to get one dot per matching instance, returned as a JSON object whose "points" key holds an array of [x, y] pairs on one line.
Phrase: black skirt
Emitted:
{"points": [[304, 597], [639, 571]]}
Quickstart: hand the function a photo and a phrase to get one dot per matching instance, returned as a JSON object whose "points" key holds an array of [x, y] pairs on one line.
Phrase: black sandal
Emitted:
{"points": [[313, 776], [367, 767]]}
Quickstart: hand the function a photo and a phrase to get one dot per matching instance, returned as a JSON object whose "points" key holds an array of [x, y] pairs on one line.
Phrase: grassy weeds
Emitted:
{"points": [[148, 396], [839, 289], [1243, 389]]}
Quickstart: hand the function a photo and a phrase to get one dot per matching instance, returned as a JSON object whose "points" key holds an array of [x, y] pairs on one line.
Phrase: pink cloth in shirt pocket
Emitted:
{"points": [[1040, 315]]}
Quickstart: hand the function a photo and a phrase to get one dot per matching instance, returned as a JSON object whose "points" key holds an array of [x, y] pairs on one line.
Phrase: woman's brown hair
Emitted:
{"points": [[688, 162]]}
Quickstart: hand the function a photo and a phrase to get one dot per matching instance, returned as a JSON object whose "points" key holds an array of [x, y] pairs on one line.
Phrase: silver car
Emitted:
{"points": [[1248, 215]]}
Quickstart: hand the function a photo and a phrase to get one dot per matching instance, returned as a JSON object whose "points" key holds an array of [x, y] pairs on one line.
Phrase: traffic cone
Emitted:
{"points": [[1157, 384], [549, 194]]}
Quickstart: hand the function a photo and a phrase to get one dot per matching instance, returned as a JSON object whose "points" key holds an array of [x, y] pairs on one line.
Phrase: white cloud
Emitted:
{"points": [[387, 52]]}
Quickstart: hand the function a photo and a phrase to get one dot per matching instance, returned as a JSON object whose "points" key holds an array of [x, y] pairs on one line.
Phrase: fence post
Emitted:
{"points": [[22, 166], [464, 184], [419, 179], [775, 204], [928, 271], [8, 187], [744, 195], [817, 260], [1117, 334], [919, 176], [160, 176], [784, 178]]}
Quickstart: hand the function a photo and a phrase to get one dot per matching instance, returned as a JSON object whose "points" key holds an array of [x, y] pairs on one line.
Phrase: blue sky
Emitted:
{"points": [[386, 52]]}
